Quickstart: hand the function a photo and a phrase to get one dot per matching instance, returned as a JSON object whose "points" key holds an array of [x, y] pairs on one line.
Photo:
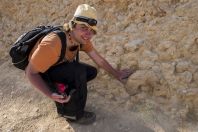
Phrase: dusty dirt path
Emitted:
{"points": [[23, 109]]}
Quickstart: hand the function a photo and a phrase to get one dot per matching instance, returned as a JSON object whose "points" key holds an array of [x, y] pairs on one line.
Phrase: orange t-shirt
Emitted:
{"points": [[47, 52]]}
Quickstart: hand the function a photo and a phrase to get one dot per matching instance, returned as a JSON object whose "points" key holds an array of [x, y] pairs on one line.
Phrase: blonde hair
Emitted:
{"points": [[69, 26], [66, 27]]}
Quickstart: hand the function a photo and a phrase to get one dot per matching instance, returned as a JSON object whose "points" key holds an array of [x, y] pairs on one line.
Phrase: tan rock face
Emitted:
{"points": [[159, 39]]}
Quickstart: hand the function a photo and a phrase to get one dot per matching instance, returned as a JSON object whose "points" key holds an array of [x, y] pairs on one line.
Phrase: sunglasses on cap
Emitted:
{"points": [[91, 22]]}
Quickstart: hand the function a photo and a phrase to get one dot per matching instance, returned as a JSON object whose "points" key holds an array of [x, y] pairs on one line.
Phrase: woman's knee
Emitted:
{"points": [[91, 73]]}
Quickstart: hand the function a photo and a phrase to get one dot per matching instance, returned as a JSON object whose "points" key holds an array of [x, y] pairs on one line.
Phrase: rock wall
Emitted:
{"points": [[156, 38]]}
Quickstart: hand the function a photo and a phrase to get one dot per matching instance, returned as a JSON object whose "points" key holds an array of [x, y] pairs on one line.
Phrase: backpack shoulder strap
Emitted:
{"points": [[77, 56], [62, 37]]}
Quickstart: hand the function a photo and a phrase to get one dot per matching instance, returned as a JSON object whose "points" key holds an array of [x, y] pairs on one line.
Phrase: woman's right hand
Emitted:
{"points": [[60, 98]]}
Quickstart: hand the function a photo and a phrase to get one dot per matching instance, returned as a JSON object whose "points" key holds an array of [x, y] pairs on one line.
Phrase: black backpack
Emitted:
{"points": [[21, 49]]}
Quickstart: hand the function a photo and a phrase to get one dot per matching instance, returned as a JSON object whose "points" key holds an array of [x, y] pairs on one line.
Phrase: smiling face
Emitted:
{"points": [[82, 33]]}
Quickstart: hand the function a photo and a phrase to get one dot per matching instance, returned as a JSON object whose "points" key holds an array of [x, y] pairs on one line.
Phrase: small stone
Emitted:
{"points": [[67, 126], [4, 116]]}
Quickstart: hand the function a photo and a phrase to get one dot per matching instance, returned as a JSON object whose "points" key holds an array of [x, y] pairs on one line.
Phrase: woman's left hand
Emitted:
{"points": [[124, 74]]}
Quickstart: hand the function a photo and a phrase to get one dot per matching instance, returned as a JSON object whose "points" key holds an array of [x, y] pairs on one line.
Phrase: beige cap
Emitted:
{"points": [[86, 12]]}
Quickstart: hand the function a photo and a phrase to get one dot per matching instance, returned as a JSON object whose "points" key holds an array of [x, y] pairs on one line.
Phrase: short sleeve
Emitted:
{"points": [[87, 47], [47, 53]]}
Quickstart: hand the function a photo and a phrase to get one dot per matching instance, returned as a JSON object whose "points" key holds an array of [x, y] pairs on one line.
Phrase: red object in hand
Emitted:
{"points": [[61, 87]]}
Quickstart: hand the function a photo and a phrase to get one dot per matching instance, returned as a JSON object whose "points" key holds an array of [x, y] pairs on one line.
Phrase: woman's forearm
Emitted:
{"points": [[36, 80], [107, 67]]}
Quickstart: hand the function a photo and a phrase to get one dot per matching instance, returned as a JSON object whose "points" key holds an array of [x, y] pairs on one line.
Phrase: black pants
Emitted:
{"points": [[76, 76]]}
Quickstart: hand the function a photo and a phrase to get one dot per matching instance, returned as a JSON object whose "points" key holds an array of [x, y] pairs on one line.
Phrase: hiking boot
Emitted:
{"points": [[87, 118], [71, 118]]}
